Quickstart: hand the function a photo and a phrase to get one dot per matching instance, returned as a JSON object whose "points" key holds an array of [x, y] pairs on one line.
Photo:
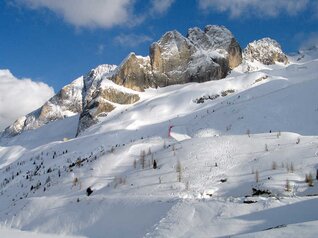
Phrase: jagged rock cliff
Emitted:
{"points": [[134, 72], [266, 51], [175, 59], [100, 96]]}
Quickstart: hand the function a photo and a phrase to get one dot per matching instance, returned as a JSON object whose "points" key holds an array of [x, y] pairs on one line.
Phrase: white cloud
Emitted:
{"points": [[87, 13], [161, 6], [258, 8], [18, 97], [132, 40]]}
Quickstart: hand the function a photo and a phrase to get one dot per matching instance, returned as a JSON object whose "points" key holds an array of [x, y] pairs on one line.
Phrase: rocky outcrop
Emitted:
{"points": [[100, 96], [103, 102], [175, 59], [266, 50], [220, 40], [170, 58], [134, 73], [67, 102]]}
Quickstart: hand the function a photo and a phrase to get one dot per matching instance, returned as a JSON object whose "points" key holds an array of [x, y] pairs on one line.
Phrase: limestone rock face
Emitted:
{"points": [[235, 54], [176, 59], [170, 58], [134, 73], [117, 96], [100, 96], [266, 51]]}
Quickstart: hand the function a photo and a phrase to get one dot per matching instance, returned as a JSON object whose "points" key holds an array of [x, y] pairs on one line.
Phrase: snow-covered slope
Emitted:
{"points": [[231, 155], [68, 102]]}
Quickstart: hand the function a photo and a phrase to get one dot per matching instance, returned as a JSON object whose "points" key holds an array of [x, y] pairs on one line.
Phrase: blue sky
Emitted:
{"points": [[55, 41]]}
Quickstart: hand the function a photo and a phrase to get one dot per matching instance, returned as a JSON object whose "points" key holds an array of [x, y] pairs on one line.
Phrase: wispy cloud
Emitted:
{"points": [[132, 40], [84, 13], [256, 8], [19, 97], [97, 13], [100, 49], [161, 6]]}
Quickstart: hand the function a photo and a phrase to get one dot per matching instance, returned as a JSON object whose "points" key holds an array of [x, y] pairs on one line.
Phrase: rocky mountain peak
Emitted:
{"points": [[176, 59], [101, 70], [266, 51], [171, 36], [202, 55]]}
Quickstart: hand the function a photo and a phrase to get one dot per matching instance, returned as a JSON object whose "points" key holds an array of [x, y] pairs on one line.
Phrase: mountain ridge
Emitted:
{"points": [[202, 55]]}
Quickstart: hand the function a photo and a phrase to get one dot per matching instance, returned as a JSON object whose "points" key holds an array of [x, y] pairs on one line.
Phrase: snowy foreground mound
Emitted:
{"points": [[232, 157]]}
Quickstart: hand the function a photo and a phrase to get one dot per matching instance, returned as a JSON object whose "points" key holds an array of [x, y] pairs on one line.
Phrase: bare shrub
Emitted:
{"points": [[187, 185], [179, 171], [75, 181], [274, 165], [292, 167], [309, 180], [142, 158], [256, 176], [248, 132]]}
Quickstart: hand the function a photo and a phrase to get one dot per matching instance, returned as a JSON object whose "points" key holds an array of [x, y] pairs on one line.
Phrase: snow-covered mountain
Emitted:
{"points": [[266, 51], [201, 56], [234, 157], [261, 53], [174, 59], [69, 101]]}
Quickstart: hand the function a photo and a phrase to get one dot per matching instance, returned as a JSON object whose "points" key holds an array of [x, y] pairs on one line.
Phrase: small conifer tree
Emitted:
{"points": [[154, 165], [287, 186]]}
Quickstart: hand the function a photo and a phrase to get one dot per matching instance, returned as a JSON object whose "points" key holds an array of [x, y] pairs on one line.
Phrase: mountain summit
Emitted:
{"points": [[202, 55], [176, 59]]}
